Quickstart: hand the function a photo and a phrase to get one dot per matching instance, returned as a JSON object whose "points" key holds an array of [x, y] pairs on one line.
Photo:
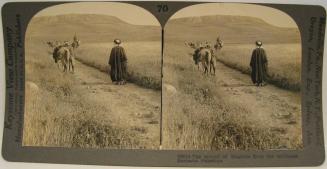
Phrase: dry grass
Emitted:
{"points": [[197, 117], [144, 61], [284, 62], [57, 116]]}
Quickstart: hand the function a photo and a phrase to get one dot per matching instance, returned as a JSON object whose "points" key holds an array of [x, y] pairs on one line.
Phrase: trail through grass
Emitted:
{"points": [[144, 61]]}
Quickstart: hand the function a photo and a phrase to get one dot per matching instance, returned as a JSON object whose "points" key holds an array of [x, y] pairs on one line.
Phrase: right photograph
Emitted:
{"points": [[231, 79]]}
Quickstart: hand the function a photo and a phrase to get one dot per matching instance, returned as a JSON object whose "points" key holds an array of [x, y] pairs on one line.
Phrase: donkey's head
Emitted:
{"points": [[219, 44], [76, 43]]}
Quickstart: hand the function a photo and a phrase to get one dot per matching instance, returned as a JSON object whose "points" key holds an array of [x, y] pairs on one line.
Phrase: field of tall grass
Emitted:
{"points": [[196, 116], [144, 60], [58, 116], [284, 62]]}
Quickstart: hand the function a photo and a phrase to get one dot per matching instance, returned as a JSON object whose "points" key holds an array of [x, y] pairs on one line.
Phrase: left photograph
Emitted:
{"points": [[93, 77]]}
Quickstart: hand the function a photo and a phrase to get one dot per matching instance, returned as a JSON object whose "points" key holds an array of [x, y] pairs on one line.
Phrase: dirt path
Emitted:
{"points": [[269, 105], [129, 106], [137, 109]]}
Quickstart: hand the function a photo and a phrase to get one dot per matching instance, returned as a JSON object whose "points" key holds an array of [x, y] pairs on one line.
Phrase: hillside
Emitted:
{"points": [[90, 28], [104, 28], [232, 29]]}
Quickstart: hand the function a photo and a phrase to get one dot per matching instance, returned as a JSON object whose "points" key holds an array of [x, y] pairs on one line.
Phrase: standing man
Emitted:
{"points": [[259, 65], [118, 64]]}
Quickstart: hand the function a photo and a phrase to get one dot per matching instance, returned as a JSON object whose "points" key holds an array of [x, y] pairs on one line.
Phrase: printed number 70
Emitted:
{"points": [[162, 8]]}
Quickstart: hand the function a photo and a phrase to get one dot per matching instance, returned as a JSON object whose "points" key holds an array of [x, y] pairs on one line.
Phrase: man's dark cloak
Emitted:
{"points": [[118, 64], [259, 65]]}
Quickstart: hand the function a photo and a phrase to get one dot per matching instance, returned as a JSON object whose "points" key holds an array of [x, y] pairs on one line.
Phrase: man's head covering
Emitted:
{"points": [[117, 41], [258, 43]]}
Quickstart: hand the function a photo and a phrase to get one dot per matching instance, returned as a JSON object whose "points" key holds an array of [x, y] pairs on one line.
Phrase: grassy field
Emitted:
{"points": [[57, 111], [197, 116], [58, 116], [284, 62], [144, 60], [283, 45]]}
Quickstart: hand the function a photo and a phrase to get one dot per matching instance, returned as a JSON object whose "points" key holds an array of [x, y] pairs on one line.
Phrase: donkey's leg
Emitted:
{"points": [[72, 64], [213, 68], [210, 69], [205, 69], [64, 62], [65, 67], [213, 65], [69, 65], [69, 58], [61, 66]]}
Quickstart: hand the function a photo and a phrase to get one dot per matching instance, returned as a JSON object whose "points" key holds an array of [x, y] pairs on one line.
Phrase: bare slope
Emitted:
{"points": [[101, 28], [90, 28], [232, 29]]}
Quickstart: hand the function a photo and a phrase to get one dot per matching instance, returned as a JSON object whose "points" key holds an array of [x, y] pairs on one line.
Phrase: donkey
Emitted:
{"points": [[61, 53], [205, 57]]}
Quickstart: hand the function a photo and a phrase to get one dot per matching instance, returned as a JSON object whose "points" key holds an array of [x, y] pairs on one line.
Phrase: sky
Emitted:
{"points": [[138, 16]]}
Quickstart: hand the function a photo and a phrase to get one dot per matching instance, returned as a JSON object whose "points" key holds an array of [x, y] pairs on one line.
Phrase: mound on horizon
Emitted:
{"points": [[90, 28], [104, 28], [232, 29]]}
